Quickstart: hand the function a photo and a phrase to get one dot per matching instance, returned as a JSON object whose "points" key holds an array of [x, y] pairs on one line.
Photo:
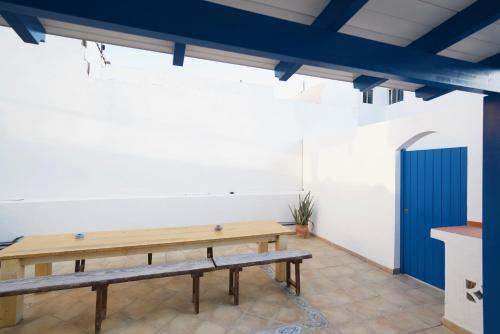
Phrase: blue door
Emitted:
{"points": [[434, 194]]}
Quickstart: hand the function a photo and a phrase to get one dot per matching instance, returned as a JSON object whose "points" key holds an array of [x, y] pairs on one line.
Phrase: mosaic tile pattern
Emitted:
{"points": [[313, 317]]}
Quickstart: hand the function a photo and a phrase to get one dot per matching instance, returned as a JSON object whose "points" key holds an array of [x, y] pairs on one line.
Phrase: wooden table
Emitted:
{"points": [[43, 250]]}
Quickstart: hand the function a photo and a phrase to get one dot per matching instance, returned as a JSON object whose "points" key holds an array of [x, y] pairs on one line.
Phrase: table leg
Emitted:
{"points": [[263, 247], [280, 268], [43, 269], [11, 308]]}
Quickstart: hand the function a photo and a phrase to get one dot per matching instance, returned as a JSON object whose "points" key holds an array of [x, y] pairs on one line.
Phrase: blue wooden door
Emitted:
{"points": [[434, 194]]}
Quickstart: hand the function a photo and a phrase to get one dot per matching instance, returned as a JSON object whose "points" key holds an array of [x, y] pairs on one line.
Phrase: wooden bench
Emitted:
{"points": [[99, 281], [235, 264]]}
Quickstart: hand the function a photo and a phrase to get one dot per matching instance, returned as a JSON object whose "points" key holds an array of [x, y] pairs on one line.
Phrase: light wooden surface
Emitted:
{"points": [[103, 277], [280, 268], [43, 269], [253, 259], [43, 250], [263, 247], [106, 242], [11, 308]]}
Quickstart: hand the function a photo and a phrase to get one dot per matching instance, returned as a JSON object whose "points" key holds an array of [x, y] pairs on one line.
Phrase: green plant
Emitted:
{"points": [[302, 215]]}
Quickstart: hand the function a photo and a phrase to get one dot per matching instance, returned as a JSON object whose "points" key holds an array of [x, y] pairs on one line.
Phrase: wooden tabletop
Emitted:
{"points": [[66, 244]]}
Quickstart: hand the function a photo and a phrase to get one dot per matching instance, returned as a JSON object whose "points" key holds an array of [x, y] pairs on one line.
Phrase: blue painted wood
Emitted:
{"points": [[179, 52], [428, 214], [332, 18], [428, 93], [434, 194], [437, 247], [365, 82], [220, 27], [491, 212], [27, 27], [466, 22]]}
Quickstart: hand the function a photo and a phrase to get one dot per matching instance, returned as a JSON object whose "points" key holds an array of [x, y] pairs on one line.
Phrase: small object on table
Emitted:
{"points": [[79, 235], [218, 228]]}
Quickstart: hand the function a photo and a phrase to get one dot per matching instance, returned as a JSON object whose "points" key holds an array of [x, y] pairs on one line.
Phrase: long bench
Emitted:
{"points": [[100, 280], [236, 263]]}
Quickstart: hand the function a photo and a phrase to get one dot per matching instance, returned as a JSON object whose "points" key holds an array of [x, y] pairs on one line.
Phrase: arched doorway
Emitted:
{"points": [[433, 193]]}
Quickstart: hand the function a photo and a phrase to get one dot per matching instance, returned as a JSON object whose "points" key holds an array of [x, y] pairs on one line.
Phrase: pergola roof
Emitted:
{"points": [[393, 22]]}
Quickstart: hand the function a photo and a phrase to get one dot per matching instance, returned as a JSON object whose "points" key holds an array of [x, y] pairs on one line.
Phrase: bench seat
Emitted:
{"points": [[99, 281], [102, 277], [256, 259]]}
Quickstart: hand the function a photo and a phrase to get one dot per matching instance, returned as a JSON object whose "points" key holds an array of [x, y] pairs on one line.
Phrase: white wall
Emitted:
{"points": [[354, 175], [72, 216], [128, 148]]}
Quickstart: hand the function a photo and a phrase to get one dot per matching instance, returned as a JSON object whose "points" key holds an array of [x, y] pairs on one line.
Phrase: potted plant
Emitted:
{"points": [[302, 215]]}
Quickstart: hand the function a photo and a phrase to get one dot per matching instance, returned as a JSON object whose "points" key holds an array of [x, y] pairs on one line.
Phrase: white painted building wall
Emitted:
{"points": [[354, 175], [125, 148], [463, 305]]}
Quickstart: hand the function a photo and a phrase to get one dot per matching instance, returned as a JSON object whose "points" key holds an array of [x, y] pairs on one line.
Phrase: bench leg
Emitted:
{"points": [[11, 308], [105, 302], [297, 278], [43, 269], [210, 253], [193, 291], [150, 258], [196, 291], [231, 284], [236, 288], [100, 305], [288, 278]]}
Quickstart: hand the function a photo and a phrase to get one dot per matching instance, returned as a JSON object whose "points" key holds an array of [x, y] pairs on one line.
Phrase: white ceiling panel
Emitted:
{"points": [[309, 7], [455, 5], [230, 57], [476, 47], [387, 25], [416, 11], [376, 36], [400, 85], [490, 34], [106, 36], [292, 10], [460, 55], [325, 73]]}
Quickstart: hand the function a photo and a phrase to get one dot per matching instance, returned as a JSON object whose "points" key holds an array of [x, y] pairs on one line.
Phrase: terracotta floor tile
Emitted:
{"points": [[351, 295]]}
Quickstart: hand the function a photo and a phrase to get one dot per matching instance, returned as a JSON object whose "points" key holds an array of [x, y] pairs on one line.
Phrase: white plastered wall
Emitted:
{"points": [[354, 176]]}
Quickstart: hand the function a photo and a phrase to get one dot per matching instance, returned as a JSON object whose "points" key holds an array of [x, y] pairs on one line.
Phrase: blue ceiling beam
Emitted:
{"points": [[470, 20], [365, 82], [428, 93], [179, 52], [28, 28], [210, 25], [332, 18]]}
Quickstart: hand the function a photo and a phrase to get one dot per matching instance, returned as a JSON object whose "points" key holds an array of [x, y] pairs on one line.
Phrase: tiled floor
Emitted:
{"points": [[340, 294]]}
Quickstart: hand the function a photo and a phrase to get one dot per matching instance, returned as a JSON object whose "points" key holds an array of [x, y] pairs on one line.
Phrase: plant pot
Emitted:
{"points": [[302, 231]]}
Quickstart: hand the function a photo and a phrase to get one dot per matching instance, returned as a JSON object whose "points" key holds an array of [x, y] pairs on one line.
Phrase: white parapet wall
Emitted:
{"points": [[84, 215], [463, 280]]}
